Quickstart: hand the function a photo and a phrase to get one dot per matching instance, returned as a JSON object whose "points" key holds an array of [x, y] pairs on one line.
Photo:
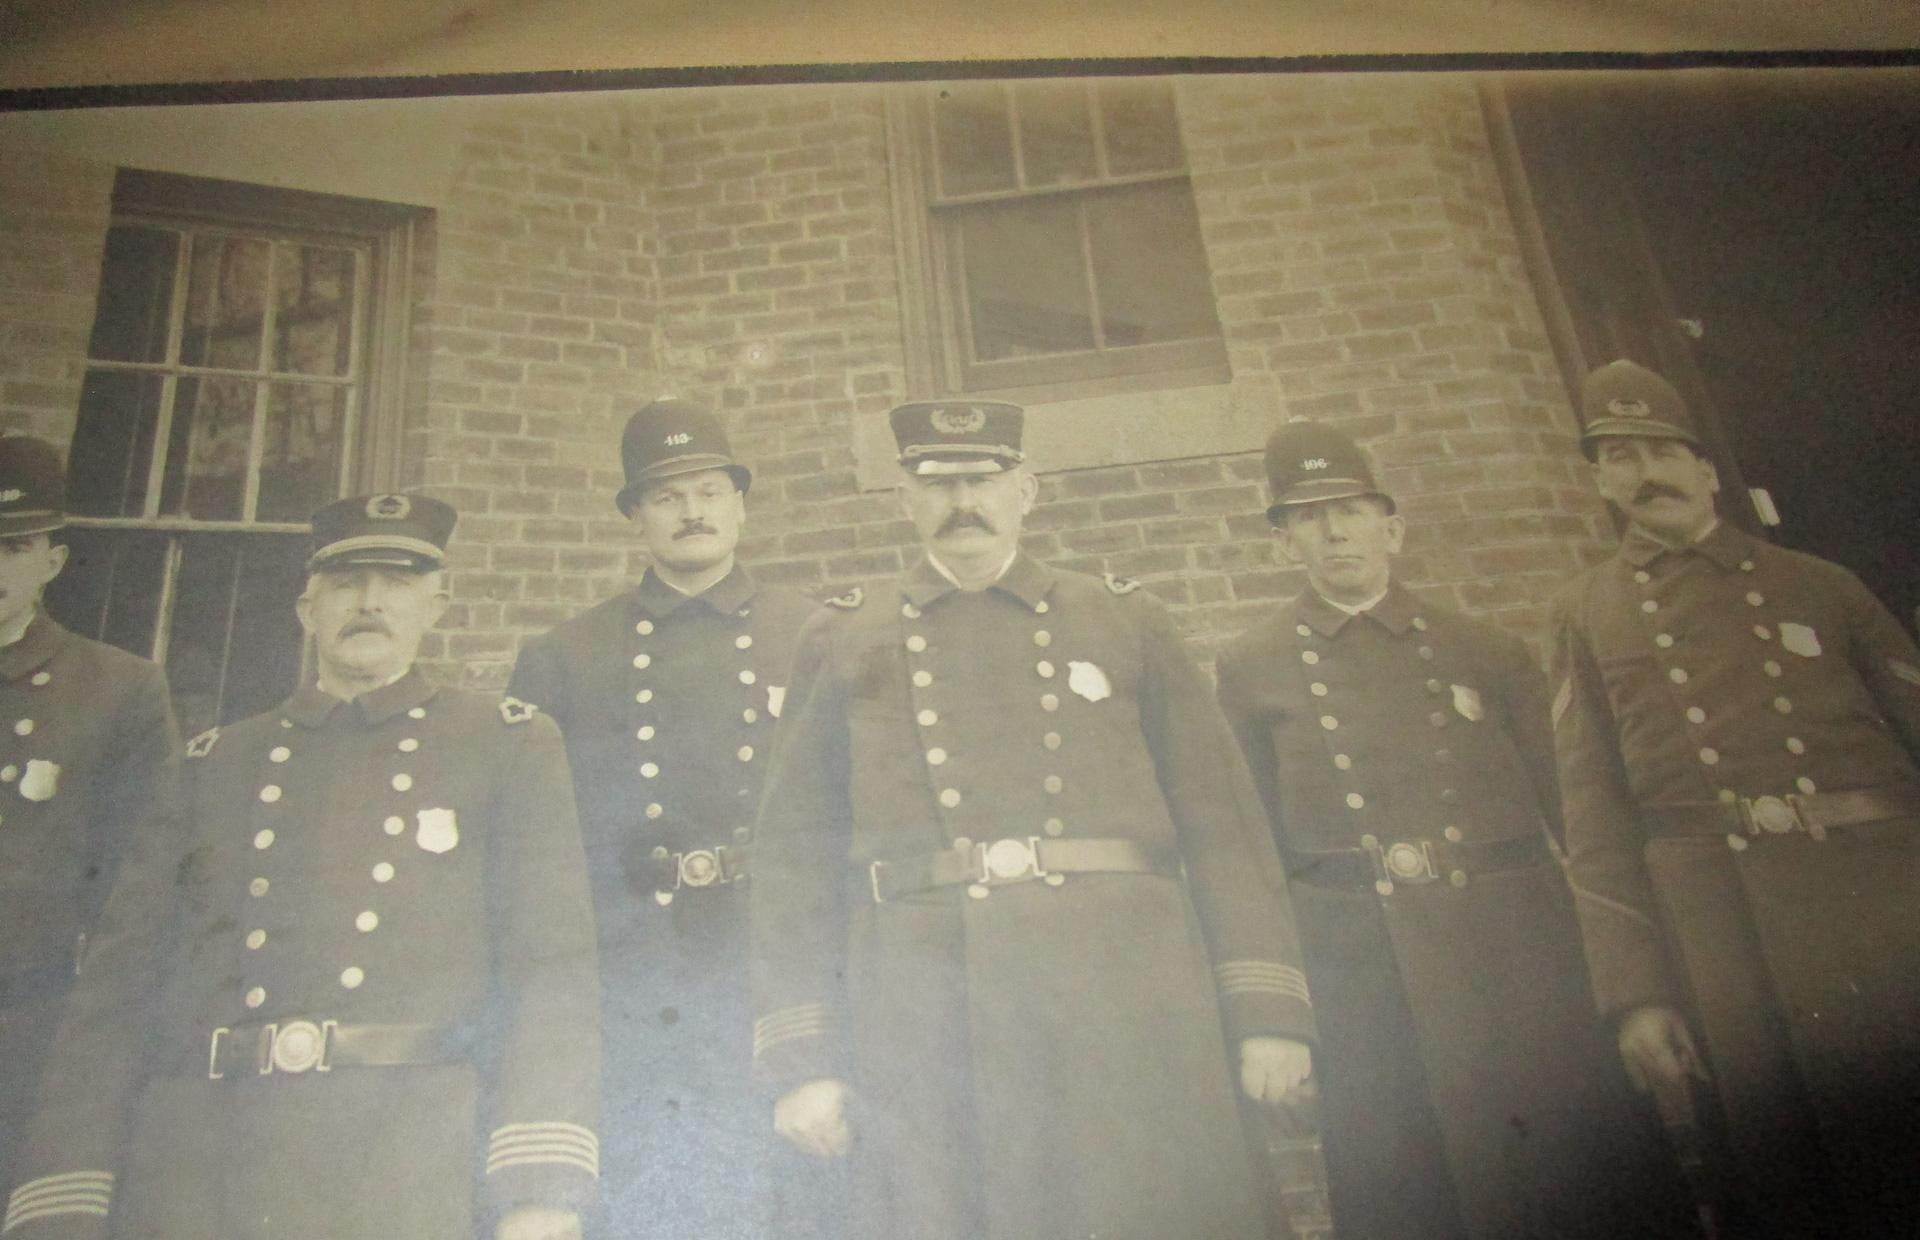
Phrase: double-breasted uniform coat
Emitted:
{"points": [[375, 1015], [88, 758], [1029, 1056], [668, 705], [1467, 1089], [1737, 727]]}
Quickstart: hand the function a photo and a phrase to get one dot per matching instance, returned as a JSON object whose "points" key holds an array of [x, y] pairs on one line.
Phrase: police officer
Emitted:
{"points": [[1403, 753], [1008, 903], [1736, 726], [87, 765], [667, 695], [377, 998]]}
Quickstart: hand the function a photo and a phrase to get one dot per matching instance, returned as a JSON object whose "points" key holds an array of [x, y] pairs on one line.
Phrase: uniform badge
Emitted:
{"points": [[1087, 680], [439, 831], [1466, 700], [848, 601], [1801, 639], [1120, 585], [513, 710], [776, 698], [389, 507], [202, 745], [41, 780], [1624, 407]]}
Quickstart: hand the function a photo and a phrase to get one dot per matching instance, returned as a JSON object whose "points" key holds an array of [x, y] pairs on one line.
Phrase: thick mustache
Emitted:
{"points": [[1656, 490], [961, 520], [367, 625], [691, 528]]}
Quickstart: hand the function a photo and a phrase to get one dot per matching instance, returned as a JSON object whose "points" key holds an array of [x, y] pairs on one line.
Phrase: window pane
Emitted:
{"points": [[234, 648], [313, 316], [1149, 265], [113, 443], [1138, 123], [973, 141], [226, 301], [136, 294], [207, 451], [1056, 133], [1025, 281], [300, 466], [110, 589]]}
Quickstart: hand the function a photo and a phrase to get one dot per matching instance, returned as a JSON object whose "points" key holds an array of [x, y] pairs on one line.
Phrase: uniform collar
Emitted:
{"points": [[312, 706], [1026, 579], [728, 595], [1725, 544], [37, 645], [1395, 612]]}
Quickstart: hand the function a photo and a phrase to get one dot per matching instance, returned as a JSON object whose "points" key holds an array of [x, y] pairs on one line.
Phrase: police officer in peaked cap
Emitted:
{"points": [[668, 694], [1014, 956], [1737, 728], [355, 998], [87, 770], [1402, 751]]}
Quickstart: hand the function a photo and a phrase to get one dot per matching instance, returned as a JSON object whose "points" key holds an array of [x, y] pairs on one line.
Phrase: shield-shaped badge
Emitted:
{"points": [[41, 780], [438, 832], [1466, 700], [776, 698], [1087, 680], [1801, 639]]}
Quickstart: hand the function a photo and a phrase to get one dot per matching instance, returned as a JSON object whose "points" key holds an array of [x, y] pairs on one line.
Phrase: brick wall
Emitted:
{"points": [[53, 227], [535, 331]]}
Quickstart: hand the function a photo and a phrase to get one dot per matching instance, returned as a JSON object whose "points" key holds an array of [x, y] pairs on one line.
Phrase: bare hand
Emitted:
{"points": [[538, 1223], [1276, 1071], [1658, 1049], [813, 1118]]}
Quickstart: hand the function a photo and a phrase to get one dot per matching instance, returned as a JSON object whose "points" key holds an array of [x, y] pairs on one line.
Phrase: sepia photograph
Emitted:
{"points": [[1278, 631]]}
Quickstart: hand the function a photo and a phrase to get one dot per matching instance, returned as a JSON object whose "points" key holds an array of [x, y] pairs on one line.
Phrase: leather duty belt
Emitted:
{"points": [[295, 1047], [1384, 865], [1815, 813], [997, 863], [696, 869]]}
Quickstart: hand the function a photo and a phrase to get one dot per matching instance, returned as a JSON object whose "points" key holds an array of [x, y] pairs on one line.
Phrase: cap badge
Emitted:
{"points": [[10, 494], [1466, 700], [960, 421], [1621, 407], [676, 439], [1314, 462], [389, 507]]}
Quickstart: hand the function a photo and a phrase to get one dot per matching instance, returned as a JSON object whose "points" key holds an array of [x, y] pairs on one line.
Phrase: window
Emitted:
{"points": [[230, 390], [1056, 229]]}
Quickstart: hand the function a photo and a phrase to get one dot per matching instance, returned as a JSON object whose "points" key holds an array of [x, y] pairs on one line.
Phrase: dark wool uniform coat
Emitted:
{"points": [[1048, 1061], [668, 704], [406, 865], [1467, 1088], [87, 764], [1690, 679]]}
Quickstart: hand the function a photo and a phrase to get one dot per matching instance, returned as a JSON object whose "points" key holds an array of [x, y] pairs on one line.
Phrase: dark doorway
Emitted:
{"points": [[1756, 231]]}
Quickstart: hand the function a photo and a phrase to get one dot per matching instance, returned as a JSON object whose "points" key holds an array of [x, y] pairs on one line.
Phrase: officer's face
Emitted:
{"points": [[691, 522], [970, 517], [366, 622], [1345, 545], [27, 564], [1662, 485]]}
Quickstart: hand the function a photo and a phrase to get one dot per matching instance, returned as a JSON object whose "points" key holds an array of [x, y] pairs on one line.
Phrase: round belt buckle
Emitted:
{"points": [[297, 1046], [699, 869], [1774, 816], [1406, 861], [1009, 859]]}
